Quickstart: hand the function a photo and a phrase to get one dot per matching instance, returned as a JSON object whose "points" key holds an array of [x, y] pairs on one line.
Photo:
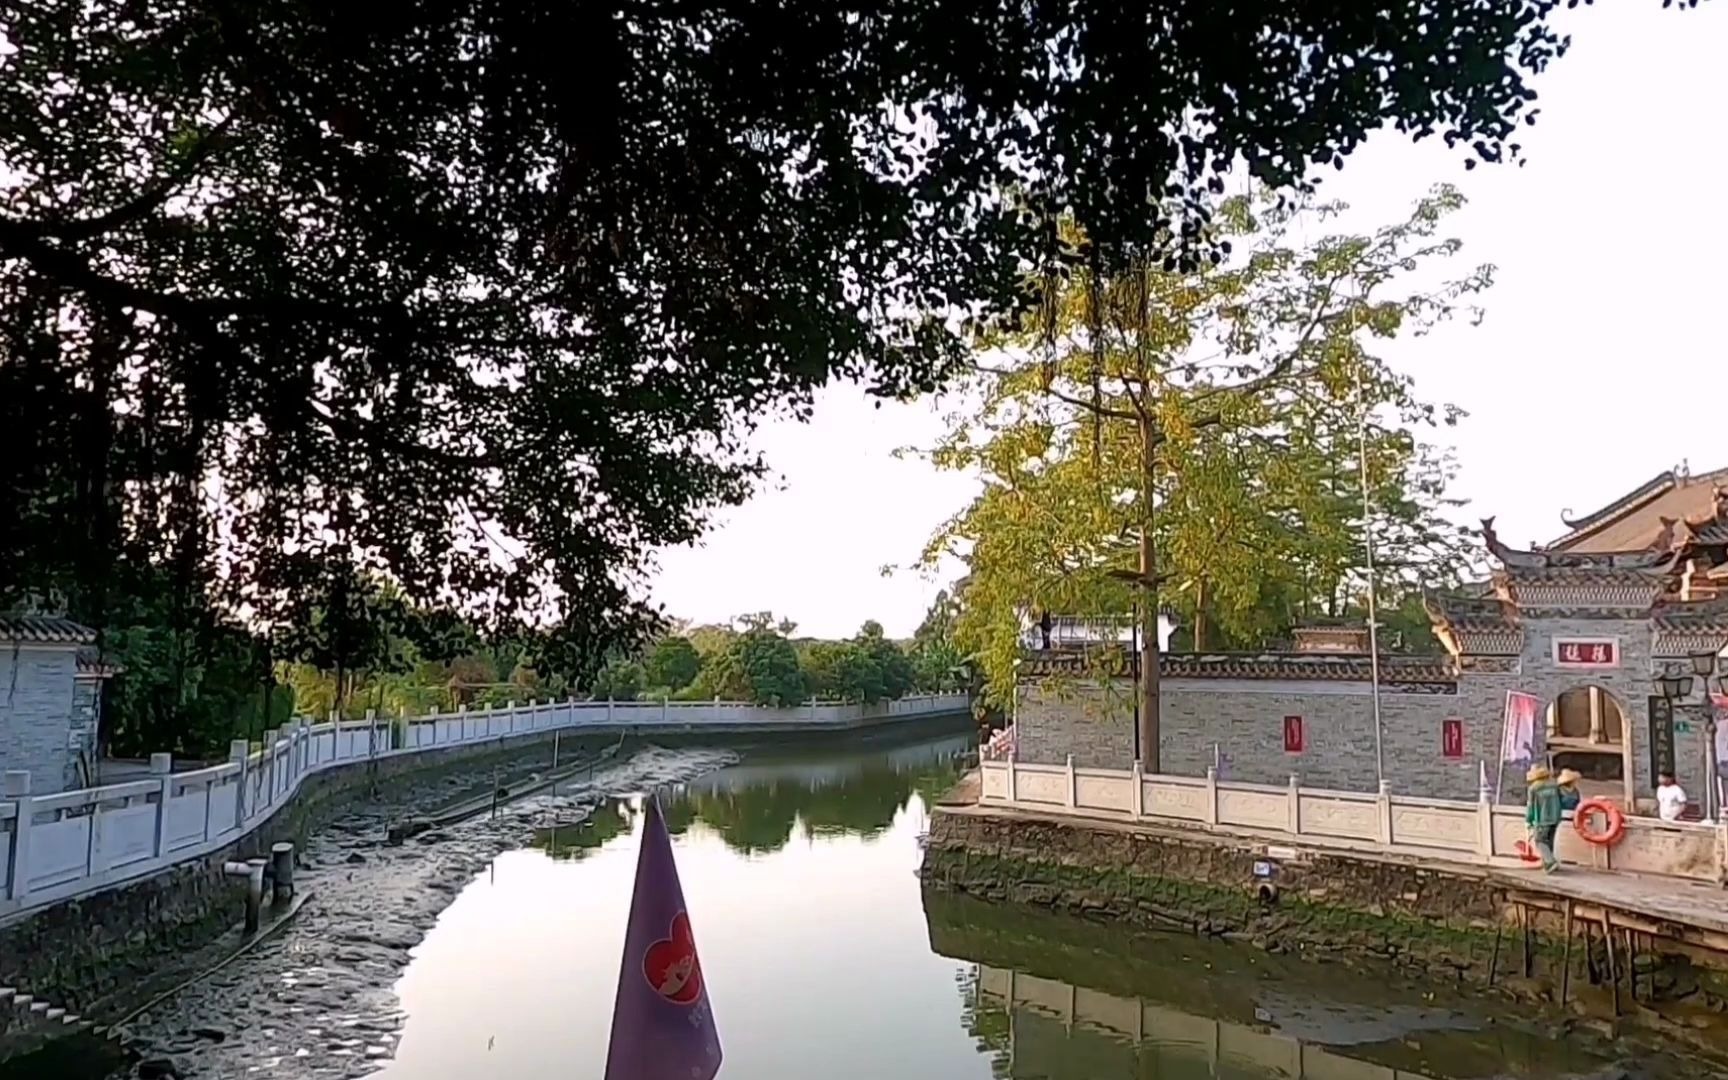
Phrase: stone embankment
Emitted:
{"points": [[1446, 924], [317, 999]]}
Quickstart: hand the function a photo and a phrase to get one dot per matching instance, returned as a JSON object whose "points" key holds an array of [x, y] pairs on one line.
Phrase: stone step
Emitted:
{"points": [[39, 1007], [7, 993], [54, 1014], [22, 1002]]}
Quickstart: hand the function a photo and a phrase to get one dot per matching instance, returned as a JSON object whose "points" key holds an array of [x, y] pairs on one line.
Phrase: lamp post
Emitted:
{"points": [[1704, 666], [1676, 685]]}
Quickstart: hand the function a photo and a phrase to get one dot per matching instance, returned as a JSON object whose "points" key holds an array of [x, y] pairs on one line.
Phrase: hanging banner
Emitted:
{"points": [[1518, 741]]}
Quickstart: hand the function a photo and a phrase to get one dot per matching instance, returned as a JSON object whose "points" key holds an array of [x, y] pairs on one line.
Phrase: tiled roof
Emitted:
{"points": [[1585, 577], [1293, 666], [1652, 487], [91, 662], [1700, 615], [1711, 532], [45, 629], [1634, 520]]}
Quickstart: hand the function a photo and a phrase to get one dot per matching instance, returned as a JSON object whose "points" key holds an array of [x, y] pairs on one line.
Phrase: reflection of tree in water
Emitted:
{"points": [[612, 818], [760, 812], [763, 817]]}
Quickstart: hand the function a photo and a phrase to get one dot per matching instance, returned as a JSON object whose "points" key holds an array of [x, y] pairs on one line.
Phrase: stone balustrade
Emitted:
{"points": [[59, 846], [1380, 822]]}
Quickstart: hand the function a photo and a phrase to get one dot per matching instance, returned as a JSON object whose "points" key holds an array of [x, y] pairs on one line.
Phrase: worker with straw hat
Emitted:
{"points": [[1543, 814], [1569, 793]]}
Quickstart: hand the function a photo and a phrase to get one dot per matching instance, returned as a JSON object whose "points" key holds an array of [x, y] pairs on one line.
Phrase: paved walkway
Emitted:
{"points": [[1696, 904]]}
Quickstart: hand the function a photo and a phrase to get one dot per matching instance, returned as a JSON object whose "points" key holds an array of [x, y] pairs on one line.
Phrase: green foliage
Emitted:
{"points": [[760, 666], [619, 680], [1217, 411], [295, 295], [672, 663]]}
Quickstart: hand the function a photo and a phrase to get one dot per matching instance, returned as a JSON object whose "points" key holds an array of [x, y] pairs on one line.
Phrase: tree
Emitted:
{"points": [[759, 665], [673, 663], [893, 670], [620, 680], [1176, 433], [286, 290], [937, 662]]}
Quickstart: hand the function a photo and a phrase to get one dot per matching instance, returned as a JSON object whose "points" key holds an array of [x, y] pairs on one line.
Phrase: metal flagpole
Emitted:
{"points": [[1368, 548]]}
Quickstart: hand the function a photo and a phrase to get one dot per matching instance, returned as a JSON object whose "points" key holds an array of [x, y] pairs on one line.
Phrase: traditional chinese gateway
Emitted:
{"points": [[1611, 634]]}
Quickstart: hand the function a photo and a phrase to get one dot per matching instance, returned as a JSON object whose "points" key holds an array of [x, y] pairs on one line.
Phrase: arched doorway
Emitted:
{"points": [[1587, 733]]}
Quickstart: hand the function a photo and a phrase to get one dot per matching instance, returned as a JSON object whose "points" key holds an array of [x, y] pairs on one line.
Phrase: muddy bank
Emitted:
{"points": [[317, 1000]]}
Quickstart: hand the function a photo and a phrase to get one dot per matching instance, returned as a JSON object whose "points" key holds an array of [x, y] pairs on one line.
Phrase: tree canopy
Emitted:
{"points": [[482, 295], [1193, 439]]}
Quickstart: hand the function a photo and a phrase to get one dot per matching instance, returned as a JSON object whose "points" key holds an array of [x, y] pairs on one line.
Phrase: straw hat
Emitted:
{"points": [[1570, 776], [1537, 772]]}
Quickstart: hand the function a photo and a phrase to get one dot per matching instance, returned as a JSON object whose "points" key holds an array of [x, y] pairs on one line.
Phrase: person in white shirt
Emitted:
{"points": [[1670, 798]]}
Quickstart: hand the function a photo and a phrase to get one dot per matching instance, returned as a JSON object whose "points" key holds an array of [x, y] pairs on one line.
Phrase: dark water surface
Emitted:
{"points": [[826, 960]]}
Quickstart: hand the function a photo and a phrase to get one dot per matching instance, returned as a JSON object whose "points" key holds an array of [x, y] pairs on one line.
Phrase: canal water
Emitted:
{"points": [[824, 957]]}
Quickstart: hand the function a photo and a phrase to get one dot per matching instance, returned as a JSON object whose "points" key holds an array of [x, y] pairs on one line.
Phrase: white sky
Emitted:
{"points": [[1599, 363]]}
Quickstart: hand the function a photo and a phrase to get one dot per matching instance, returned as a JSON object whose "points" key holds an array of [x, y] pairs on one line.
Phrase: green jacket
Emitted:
{"points": [[1544, 803]]}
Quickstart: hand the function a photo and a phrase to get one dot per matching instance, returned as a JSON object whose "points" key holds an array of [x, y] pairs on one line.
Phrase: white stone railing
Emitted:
{"points": [[58, 846], [1384, 822]]}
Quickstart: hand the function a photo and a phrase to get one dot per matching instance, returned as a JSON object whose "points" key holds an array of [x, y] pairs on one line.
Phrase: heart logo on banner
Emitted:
{"points": [[671, 965]]}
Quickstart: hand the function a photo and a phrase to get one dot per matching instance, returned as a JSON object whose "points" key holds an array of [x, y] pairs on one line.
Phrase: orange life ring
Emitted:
{"points": [[1586, 812]]}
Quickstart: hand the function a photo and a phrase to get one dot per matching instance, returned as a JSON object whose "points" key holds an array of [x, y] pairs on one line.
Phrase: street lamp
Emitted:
{"points": [[1673, 685], [1704, 667]]}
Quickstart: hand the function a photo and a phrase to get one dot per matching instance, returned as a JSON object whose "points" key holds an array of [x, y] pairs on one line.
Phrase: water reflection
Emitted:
{"points": [[759, 807], [1176, 1007], [827, 960]]}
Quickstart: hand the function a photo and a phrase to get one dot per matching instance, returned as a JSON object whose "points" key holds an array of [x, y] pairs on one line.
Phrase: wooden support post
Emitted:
{"points": [[1494, 957], [1566, 956], [1613, 968], [1524, 924]]}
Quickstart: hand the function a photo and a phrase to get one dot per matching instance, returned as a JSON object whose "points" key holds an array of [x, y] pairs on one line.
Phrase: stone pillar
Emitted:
{"points": [[1070, 792], [1384, 802], [1597, 732], [1137, 798], [1211, 794], [267, 762], [162, 771], [1295, 816], [238, 751], [15, 787]]}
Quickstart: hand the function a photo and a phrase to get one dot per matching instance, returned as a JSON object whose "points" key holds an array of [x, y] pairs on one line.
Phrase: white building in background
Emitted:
{"points": [[50, 701]]}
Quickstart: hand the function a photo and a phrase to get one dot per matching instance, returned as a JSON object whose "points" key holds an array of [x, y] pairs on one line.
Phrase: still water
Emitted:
{"points": [[824, 959]]}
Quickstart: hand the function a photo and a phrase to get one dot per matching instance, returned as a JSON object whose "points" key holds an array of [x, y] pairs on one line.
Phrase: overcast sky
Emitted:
{"points": [[1600, 362]]}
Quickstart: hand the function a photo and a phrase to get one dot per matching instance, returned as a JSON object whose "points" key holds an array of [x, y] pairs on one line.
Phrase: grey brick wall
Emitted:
{"points": [[1245, 722], [1630, 685], [36, 714]]}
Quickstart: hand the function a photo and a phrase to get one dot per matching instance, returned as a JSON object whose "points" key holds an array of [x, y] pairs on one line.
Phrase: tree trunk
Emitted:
{"points": [[1148, 606], [1200, 626]]}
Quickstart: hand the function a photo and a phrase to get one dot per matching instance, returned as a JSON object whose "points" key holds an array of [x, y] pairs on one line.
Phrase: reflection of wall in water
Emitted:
{"points": [[1062, 1032]]}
